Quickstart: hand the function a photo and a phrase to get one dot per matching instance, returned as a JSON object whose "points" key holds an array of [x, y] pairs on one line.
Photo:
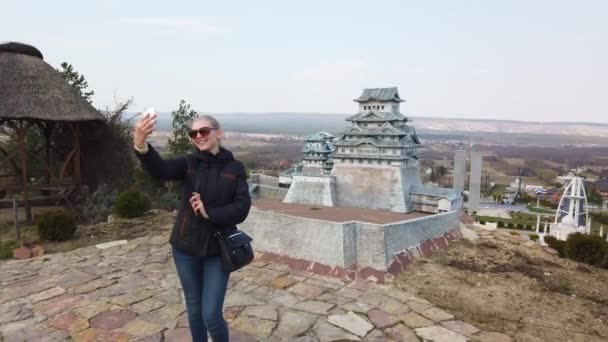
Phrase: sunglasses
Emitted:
{"points": [[203, 131]]}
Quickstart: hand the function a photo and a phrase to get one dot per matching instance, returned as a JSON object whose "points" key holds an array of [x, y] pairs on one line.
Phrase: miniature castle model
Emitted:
{"points": [[571, 215], [373, 163]]}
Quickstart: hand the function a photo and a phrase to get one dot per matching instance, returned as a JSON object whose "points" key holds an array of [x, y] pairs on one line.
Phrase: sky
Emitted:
{"points": [[532, 60]]}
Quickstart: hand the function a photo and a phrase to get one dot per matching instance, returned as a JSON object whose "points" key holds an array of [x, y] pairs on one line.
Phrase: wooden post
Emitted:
{"points": [[16, 218], [22, 137]]}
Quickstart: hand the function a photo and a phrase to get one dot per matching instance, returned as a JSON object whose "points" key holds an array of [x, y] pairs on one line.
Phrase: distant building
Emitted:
{"points": [[572, 214], [601, 186], [372, 164]]}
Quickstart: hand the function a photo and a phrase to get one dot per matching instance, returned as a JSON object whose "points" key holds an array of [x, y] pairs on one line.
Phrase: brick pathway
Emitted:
{"points": [[130, 292]]}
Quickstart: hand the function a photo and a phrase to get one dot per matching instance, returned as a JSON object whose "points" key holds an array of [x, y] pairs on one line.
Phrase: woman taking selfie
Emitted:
{"points": [[215, 198]]}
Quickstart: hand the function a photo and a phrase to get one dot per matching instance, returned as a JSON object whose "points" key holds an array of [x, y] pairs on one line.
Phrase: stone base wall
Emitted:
{"points": [[398, 264], [375, 187], [351, 249], [270, 192], [313, 190]]}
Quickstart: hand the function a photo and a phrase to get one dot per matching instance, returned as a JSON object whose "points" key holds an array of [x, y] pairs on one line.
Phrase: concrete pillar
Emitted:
{"points": [[460, 164], [475, 181]]}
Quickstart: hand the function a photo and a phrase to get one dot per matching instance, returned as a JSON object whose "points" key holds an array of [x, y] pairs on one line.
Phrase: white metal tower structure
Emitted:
{"points": [[572, 215]]}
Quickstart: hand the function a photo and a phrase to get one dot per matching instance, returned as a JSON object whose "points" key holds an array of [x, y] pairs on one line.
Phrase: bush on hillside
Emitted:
{"points": [[590, 249], [500, 224], [556, 244], [56, 225], [131, 203]]}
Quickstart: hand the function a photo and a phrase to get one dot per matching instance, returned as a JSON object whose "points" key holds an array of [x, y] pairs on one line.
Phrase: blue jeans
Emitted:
{"points": [[204, 283]]}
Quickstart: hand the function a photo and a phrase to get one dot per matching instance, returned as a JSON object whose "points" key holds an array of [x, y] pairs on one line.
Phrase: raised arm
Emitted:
{"points": [[172, 169]]}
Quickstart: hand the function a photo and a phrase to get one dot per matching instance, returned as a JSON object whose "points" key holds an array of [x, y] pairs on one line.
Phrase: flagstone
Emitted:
{"points": [[306, 291], [253, 325], [282, 282], [381, 319], [91, 309], [131, 298], [413, 320], [93, 285], [314, 307], [58, 305], [112, 319], [69, 322], [352, 323], [235, 298], [293, 323], [74, 278], [100, 335], [328, 333], [402, 333], [460, 327], [393, 306], [47, 294], [356, 306], [141, 328], [437, 315], [147, 305], [437, 333], [267, 311], [178, 335]]}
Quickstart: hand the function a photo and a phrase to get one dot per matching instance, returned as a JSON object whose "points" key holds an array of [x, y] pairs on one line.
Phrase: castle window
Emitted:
{"points": [[360, 161], [350, 161], [369, 161], [342, 150]]}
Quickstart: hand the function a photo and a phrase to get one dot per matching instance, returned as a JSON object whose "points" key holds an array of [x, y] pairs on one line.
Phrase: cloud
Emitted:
{"points": [[176, 24]]}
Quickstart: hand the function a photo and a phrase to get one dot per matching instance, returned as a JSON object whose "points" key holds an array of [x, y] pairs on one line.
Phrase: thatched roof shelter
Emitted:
{"points": [[33, 95], [30, 89]]}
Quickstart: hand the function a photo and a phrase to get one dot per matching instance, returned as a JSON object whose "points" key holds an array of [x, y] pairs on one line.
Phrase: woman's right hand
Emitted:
{"points": [[143, 128]]}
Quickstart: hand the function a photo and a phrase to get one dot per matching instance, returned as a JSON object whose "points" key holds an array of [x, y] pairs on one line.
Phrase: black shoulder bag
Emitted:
{"points": [[235, 249]]}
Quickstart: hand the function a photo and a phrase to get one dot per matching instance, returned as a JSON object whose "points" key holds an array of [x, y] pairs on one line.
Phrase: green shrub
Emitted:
{"points": [[590, 249], [56, 225], [556, 244], [96, 206], [529, 227], [482, 222], [514, 233], [131, 203], [534, 237], [6, 249], [510, 225], [520, 226], [500, 224]]}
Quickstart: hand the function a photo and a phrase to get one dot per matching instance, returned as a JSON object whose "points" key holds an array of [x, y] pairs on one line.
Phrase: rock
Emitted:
{"points": [[314, 307], [261, 328], [460, 327], [414, 320], [59, 304], [92, 309], [419, 307], [351, 322], [293, 323], [436, 333], [15, 313], [437, 315], [239, 336], [74, 278], [286, 300], [111, 244], [130, 298], [37, 251], [467, 233], [157, 337], [22, 253]]}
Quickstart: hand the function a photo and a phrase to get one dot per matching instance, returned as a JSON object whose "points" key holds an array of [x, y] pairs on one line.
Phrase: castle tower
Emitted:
{"points": [[317, 153], [376, 157]]}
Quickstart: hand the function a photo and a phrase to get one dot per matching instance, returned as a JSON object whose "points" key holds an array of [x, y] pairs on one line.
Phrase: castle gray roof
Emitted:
{"points": [[408, 143], [433, 191], [321, 136], [375, 116], [379, 94]]}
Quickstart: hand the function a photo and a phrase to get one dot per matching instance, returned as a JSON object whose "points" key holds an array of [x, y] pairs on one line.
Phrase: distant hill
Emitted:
{"points": [[308, 123]]}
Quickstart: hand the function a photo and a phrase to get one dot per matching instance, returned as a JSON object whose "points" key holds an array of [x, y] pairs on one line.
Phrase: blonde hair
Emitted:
{"points": [[208, 118]]}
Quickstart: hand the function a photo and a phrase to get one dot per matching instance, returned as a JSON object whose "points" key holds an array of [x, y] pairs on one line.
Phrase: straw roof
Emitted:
{"points": [[30, 89]]}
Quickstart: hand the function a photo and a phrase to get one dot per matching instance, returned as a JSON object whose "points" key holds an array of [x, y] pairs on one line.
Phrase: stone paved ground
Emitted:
{"points": [[130, 292]]}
